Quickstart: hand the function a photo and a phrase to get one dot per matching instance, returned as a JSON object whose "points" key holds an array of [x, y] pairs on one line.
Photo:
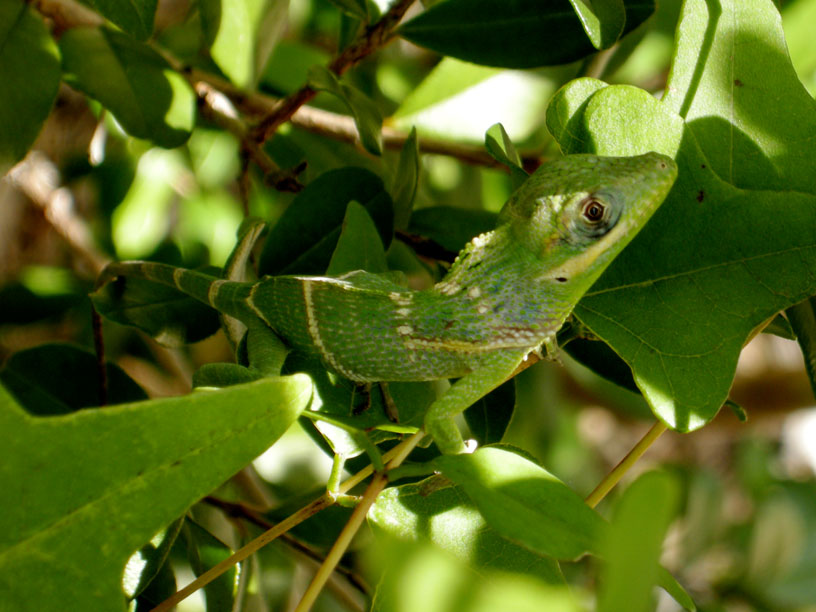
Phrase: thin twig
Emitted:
{"points": [[611, 479], [371, 39], [321, 503], [342, 127], [214, 107], [239, 510], [354, 523]]}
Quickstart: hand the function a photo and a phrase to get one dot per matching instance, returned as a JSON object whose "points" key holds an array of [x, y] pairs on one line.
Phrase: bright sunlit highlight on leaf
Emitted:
{"points": [[142, 220]]}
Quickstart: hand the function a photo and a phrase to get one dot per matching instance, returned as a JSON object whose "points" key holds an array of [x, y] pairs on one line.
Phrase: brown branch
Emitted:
{"points": [[371, 39], [242, 511], [38, 178], [212, 107], [342, 127]]}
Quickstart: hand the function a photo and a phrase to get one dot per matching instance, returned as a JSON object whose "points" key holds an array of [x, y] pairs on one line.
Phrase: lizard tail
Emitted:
{"points": [[228, 297]]}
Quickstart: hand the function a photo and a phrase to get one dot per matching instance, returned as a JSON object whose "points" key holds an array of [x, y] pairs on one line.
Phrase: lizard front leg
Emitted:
{"points": [[492, 372]]}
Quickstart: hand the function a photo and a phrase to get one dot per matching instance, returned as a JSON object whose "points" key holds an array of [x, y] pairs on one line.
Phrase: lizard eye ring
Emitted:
{"points": [[592, 210]]}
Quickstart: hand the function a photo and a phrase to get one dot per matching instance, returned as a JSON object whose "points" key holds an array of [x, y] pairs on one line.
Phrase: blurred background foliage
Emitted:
{"points": [[745, 536]]}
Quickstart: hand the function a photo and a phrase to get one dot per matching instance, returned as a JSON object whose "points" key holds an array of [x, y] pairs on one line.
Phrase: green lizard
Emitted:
{"points": [[506, 295]]}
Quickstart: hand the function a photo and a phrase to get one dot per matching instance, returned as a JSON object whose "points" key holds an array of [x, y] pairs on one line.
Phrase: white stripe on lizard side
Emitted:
{"points": [[250, 301], [212, 292], [314, 332], [177, 274]]}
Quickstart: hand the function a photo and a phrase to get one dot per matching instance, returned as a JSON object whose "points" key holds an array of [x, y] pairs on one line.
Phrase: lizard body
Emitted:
{"points": [[506, 295]]}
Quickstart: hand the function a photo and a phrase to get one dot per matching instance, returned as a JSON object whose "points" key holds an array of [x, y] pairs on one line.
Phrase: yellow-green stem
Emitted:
{"points": [[324, 501], [352, 526], [611, 479]]}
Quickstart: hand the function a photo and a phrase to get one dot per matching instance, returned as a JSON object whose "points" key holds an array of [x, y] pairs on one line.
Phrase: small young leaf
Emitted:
{"points": [[405, 182], [359, 246], [132, 81], [502, 149], [132, 469], [134, 16], [631, 547], [367, 117], [513, 493], [602, 20], [30, 74], [304, 238]]}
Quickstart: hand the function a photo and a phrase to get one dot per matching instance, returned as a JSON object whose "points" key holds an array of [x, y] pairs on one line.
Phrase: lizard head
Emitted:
{"points": [[577, 213]]}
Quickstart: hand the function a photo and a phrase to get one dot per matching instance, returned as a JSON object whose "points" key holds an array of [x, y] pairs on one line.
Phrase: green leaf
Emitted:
{"points": [[242, 34], [421, 577], [288, 66], [750, 138], [304, 238], [406, 179], [367, 116], [513, 493], [345, 403], [602, 20], [359, 246], [566, 111], [802, 318], [204, 551], [220, 375], [353, 8], [146, 564], [780, 326], [164, 313], [502, 149], [450, 226], [132, 469], [460, 101], [52, 379], [30, 74], [708, 275], [519, 33], [631, 546], [438, 511], [669, 583], [489, 417], [134, 16], [132, 81]]}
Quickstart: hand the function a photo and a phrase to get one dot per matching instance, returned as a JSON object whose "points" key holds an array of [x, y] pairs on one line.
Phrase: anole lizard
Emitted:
{"points": [[506, 295]]}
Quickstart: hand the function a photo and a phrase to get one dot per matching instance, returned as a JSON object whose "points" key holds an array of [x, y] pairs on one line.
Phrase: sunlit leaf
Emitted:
{"points": [[134, 16], [30, 74], [131, 80], [108, 480]]}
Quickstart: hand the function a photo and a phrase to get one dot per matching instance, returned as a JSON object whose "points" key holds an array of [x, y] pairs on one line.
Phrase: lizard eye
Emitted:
{"points": [[594, 216], [593, 210]]}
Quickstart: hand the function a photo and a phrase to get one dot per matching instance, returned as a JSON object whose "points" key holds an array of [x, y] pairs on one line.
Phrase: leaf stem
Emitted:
{"points": [[611, 479], [396, 454], [354, 523]]}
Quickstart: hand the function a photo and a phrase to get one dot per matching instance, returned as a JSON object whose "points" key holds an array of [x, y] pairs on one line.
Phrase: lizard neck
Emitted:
{"points": [[504, 283]]}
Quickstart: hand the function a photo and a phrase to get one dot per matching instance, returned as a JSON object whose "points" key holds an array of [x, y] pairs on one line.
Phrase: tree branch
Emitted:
{"points": [[371, 39]]}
